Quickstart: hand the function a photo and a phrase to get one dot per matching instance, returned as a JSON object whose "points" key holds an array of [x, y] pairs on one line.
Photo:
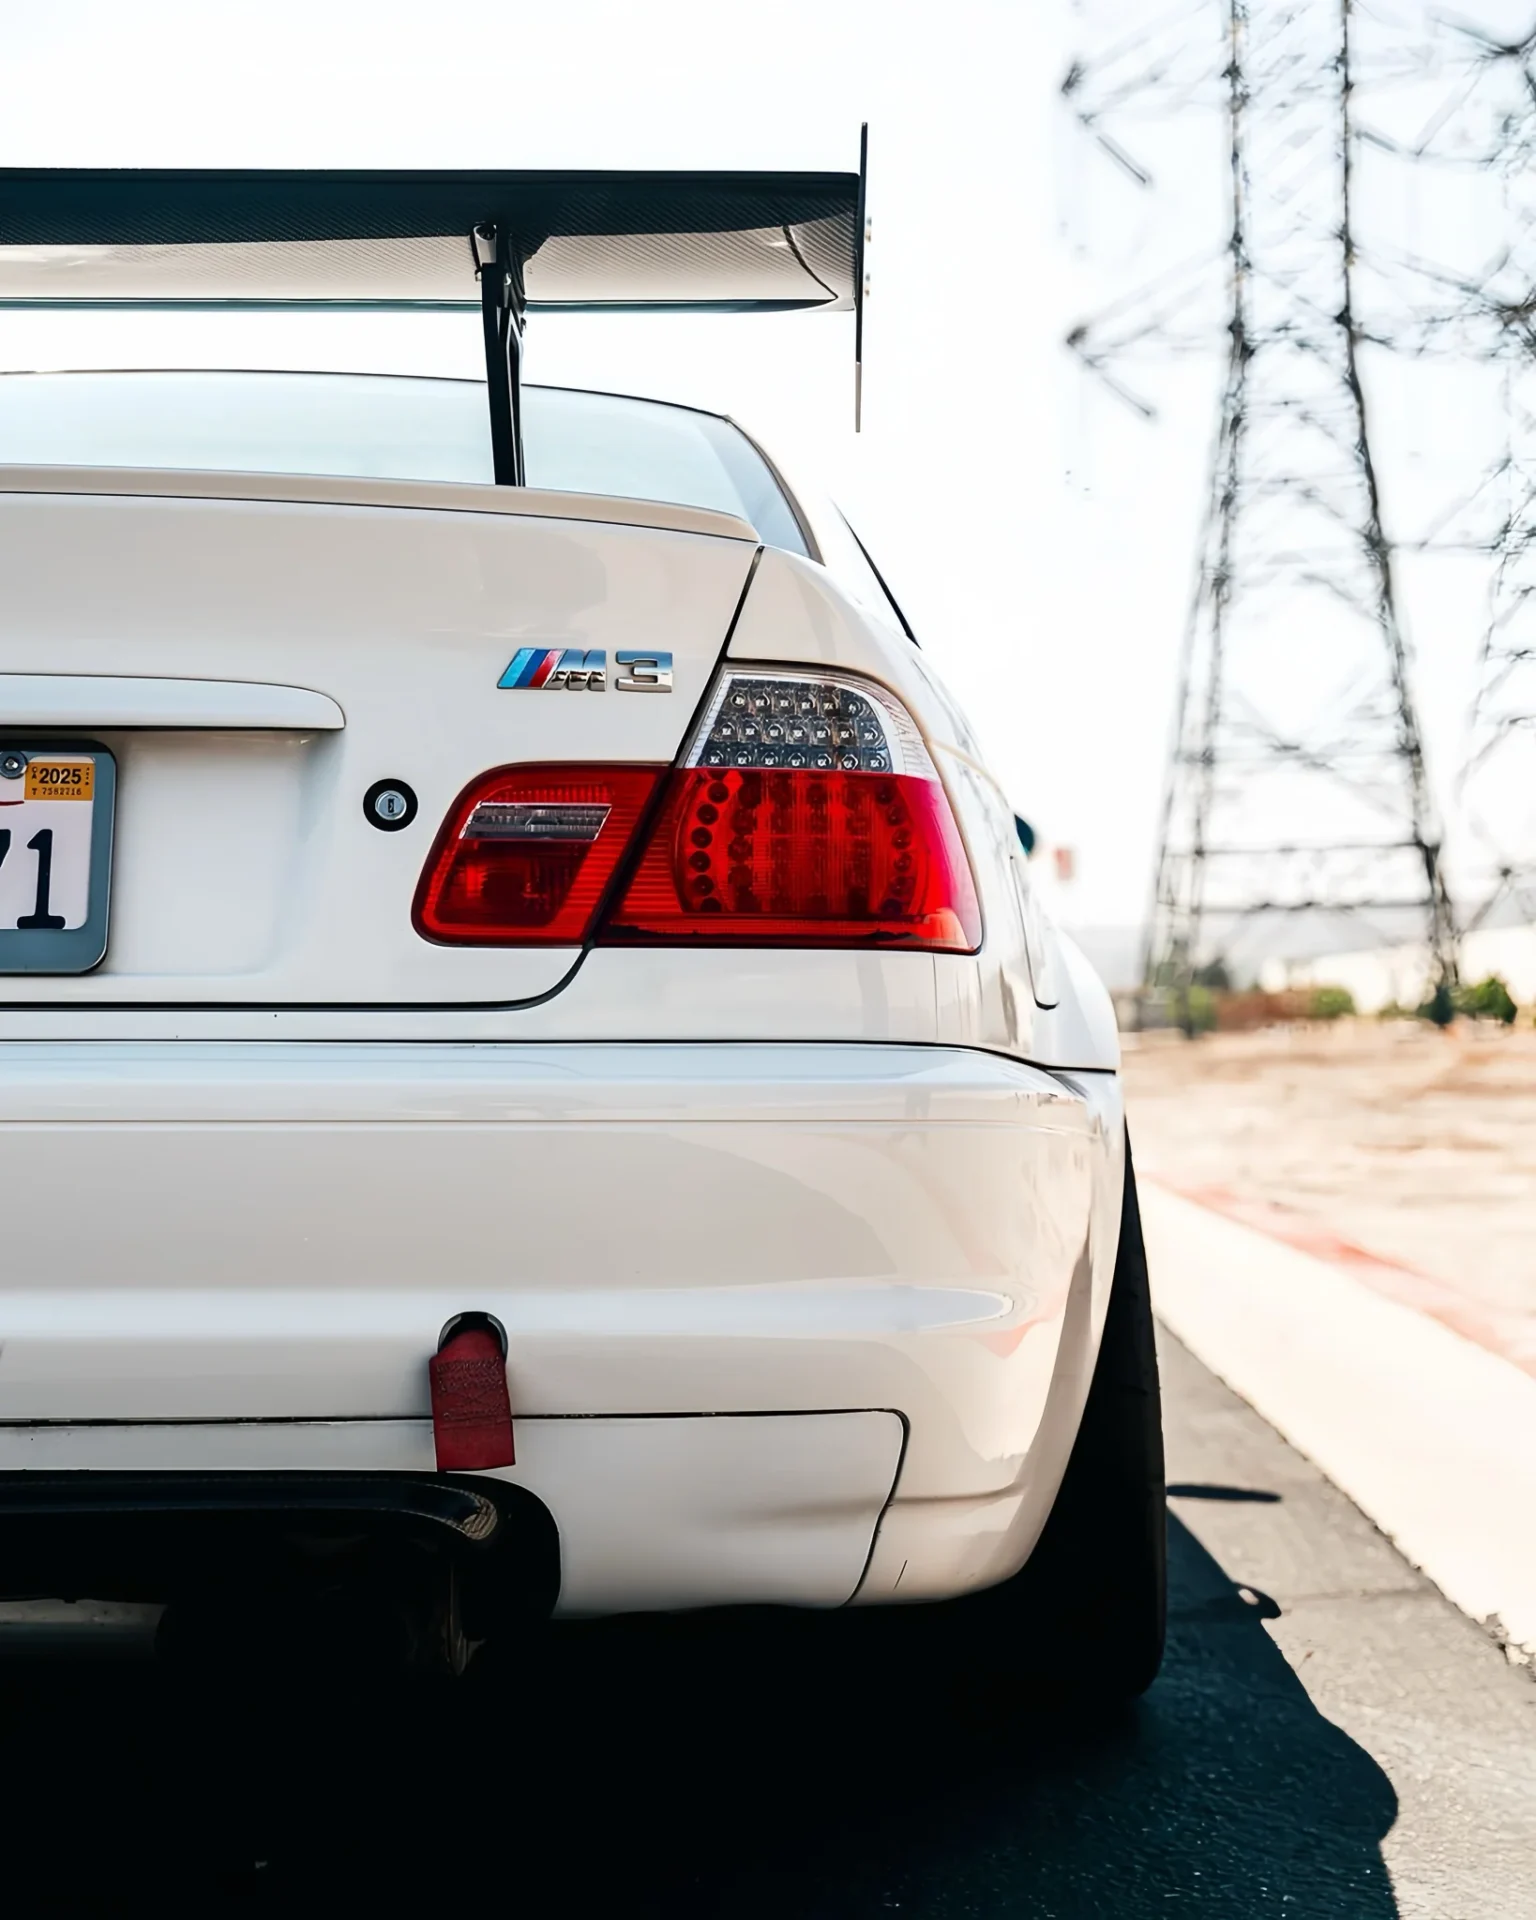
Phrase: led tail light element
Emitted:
{"points": [[526, 852], [807, 812]]}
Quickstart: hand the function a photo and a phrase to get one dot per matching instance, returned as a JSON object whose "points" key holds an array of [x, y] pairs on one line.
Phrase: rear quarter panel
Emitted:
{"points": [[795, 612]]}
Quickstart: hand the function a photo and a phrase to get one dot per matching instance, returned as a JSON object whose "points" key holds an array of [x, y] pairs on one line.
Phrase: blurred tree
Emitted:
{"points": [[1440, 1007], [1490, 999], [1330, 1003]]}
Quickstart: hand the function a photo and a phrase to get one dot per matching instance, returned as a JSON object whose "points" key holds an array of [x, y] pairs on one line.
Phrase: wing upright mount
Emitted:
{"points": [[509, 243]]}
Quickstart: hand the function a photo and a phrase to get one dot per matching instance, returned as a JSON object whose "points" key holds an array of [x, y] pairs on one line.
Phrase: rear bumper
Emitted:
{"points": [[652, 1513], [229, 1255]]}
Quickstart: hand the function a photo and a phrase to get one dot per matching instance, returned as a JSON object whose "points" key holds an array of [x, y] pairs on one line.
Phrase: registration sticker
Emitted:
{"points": [[71, 778], [55, 854]]}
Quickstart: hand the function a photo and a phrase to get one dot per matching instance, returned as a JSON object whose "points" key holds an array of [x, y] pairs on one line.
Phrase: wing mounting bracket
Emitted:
{"points": [[502, 309]]}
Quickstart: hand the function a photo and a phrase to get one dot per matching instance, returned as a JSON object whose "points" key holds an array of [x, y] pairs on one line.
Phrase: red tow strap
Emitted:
{"points": [[471, 1408]]}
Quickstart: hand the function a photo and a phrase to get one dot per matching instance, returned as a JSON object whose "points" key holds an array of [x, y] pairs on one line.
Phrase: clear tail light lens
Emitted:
{"points": [[526, 852], [807, 812]]}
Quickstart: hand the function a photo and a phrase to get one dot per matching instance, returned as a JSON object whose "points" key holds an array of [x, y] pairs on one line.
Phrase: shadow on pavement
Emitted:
{"points": [[725, 1767]]}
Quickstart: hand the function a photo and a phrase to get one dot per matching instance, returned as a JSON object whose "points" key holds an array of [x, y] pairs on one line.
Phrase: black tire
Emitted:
{"points": [[1087, 1614]]}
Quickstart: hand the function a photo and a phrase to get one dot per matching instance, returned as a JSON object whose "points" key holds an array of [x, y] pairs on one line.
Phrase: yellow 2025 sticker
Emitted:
{"points": [[60, 779]]}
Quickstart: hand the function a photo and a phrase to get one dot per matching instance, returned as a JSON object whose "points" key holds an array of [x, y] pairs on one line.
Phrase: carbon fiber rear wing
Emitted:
{"points": [[509, 243]]}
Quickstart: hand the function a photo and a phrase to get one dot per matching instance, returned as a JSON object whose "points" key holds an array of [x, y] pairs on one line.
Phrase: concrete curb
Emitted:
{"points": [[1431, 1436]]}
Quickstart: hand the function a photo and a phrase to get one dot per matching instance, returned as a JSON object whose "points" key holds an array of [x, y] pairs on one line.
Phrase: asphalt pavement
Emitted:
{"points": [[1329, 1737]]}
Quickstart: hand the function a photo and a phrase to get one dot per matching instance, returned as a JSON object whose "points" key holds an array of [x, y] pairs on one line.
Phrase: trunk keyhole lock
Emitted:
{"points": [[389, 805]]}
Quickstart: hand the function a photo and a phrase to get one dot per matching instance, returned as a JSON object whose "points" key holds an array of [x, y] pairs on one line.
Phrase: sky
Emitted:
{"points": [[1039, 536]]}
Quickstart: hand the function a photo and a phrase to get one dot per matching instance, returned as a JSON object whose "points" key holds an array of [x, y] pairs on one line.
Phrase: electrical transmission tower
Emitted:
{"points": [[1297, 817], [1483, 312], [1498, 781]]}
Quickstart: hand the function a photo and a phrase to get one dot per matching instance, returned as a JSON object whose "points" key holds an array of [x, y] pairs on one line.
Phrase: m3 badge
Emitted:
{"points": [[585, 670], [533, 668]]}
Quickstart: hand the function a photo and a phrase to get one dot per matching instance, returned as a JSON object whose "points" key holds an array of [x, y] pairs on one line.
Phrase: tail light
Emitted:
{"points": [[526, 853], [805, 812]]}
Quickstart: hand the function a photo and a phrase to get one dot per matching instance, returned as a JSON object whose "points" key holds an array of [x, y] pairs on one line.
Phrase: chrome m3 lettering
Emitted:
{"points": [[533, 668], [582, 670]]}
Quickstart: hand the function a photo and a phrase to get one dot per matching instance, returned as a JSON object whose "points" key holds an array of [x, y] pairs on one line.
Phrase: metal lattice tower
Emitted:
{"points": [[1297, 791], [1297, 816], [1498, 783]]}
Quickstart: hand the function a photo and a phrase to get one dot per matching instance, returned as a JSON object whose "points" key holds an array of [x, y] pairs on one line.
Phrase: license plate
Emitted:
{"points": [[56, 806]]}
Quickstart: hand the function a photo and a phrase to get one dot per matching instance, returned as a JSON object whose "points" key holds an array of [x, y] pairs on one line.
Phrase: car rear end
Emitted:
{"points": [[564, 917]]}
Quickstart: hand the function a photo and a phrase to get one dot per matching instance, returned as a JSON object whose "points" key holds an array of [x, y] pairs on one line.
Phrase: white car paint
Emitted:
{"points": [[109, 701], [655, 1513], [796, 611], [745, 1214], [280, 1232], [245, 870], [347, 490]]}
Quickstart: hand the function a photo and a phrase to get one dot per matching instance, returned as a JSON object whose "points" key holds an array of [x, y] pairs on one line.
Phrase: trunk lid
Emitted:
{"points": [[210, 632]]}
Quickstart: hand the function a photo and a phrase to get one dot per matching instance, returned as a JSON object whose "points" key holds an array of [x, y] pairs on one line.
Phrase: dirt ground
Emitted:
{"points": [[1406, 1153]]}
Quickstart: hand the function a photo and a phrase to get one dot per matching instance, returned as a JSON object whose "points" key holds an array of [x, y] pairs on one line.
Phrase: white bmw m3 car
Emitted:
{"points": [[535, 1080]]}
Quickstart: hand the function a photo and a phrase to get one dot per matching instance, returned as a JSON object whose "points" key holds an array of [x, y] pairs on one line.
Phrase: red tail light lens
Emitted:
{"points": [[526, 852], [807, 813]]}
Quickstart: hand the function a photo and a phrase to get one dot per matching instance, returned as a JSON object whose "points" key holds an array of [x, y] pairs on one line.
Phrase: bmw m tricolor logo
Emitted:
{"points": [[531, 668]]}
